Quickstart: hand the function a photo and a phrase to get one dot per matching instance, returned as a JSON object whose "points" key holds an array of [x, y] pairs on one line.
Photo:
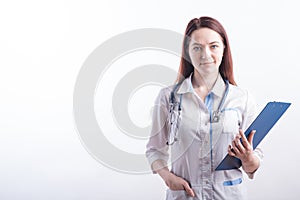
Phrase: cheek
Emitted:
{"points": [[194, 58], [218, 57]]}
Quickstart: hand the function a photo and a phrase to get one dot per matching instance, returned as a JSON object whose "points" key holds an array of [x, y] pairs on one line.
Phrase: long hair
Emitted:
{"points": [[226, 66]]}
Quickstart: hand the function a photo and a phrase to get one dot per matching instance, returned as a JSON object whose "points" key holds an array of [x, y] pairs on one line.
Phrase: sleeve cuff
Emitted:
{"points": [[152, 157]]}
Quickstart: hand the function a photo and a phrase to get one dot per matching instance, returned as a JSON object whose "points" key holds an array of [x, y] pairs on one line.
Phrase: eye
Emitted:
{"points": [[196, 48], [214, 46]]}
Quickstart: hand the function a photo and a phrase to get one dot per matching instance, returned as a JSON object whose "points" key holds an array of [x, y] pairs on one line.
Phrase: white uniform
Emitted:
{"points": [[201, 145]]}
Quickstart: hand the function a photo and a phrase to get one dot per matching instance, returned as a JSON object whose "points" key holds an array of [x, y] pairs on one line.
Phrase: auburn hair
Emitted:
{"points": [[226, 66]]}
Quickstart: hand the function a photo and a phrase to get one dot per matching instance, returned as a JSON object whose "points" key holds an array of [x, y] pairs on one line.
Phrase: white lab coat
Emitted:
{"points": [[202, 145]]}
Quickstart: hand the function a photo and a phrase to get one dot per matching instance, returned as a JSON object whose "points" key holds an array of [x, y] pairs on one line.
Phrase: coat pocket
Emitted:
{"points": [[233, 182], [176, 195], [230, 121], [232, 189], [179, 195]]}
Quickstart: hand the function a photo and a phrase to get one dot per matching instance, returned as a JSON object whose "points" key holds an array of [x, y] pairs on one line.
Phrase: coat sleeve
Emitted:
{"points": [[157, 148]]}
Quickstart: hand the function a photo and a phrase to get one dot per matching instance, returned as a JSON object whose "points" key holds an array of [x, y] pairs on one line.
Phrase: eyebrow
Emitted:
{"points": [[196, 43]]}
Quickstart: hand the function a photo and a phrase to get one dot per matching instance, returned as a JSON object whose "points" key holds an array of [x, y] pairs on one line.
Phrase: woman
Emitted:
{"points": [[201, 119]]}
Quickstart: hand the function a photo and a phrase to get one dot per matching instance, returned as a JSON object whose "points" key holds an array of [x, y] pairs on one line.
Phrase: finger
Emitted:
{"points": [[188, 189], [236, 139], [243, 137], [251, 136], [235, 148], [231, 151], [238, 143], [241, 145]]}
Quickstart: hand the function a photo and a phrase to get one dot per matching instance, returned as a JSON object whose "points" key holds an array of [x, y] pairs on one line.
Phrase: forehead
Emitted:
{"points": [[205, 36]]}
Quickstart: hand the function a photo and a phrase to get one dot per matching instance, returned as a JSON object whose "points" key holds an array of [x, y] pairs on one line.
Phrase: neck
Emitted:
{"points": [[201, 81]]}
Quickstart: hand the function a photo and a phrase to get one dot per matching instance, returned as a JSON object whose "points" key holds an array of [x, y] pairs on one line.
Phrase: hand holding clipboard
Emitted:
{"points": [[262, 124]]}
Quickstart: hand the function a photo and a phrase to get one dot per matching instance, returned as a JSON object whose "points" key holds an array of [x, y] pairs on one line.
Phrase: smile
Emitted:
{"points": [[206, 63]]}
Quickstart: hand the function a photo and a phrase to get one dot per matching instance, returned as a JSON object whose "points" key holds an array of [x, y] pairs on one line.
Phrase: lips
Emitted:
{"points": [[206, 63]]}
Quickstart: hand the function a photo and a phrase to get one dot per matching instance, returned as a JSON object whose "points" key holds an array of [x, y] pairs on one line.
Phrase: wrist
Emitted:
{"points": [[251, 164], [164, 173]]}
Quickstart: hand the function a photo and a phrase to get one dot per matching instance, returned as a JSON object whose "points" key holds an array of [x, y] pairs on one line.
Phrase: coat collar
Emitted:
{"points": [[187, 87]]}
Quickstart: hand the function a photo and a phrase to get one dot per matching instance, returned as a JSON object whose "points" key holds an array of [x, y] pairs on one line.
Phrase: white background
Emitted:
{"points": [[43, 45]]}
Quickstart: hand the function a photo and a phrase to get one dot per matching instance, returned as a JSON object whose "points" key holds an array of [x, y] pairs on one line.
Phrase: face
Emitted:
{"points": [[206, 50]]}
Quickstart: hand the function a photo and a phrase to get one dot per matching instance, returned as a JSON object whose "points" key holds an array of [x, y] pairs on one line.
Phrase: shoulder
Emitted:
{"points": [[236, 90], [239, 92], [164, 94], [243, 95]]}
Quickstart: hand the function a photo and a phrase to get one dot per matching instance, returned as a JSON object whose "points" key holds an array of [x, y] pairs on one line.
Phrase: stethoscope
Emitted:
{"points": [[175, 119], [216, 114]]}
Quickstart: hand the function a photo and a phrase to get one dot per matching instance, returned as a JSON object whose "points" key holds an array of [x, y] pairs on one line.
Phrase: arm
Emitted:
{"points": [[157, 149]]}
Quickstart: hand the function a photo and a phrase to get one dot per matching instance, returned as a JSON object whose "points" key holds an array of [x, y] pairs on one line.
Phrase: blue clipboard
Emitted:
{"points": [[263, 123]]}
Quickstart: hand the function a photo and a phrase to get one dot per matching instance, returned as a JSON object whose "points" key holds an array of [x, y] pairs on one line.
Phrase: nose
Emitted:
{"points": [[205, 53]]}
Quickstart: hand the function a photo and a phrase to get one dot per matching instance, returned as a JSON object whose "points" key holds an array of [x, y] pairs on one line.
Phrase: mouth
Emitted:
{"points": [[206, 63]]}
